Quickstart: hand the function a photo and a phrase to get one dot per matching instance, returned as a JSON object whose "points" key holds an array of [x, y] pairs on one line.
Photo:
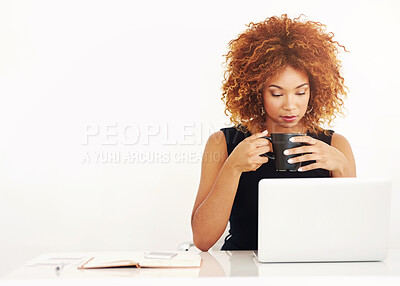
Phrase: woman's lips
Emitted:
{"points": [[289, 118]]}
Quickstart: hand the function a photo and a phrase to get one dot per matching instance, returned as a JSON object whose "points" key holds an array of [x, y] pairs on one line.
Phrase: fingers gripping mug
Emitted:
{"points": [[280, 142]]}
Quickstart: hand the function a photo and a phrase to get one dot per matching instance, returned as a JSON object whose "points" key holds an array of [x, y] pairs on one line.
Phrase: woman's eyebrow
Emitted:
{"points": [[277, 86]]}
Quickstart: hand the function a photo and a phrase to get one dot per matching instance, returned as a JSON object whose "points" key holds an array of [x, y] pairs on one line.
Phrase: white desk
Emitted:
{"points": [[216, 264]]}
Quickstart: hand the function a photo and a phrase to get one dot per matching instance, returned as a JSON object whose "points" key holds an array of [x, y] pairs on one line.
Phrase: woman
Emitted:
{"points": [[282, 77]]}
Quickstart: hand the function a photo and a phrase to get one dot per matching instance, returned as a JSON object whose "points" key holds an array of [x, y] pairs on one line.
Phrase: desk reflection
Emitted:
{"points": [[228, 263], [245, 264], [323, 269], [132, 272], [211, 267], [242, 264], [215, 264]]}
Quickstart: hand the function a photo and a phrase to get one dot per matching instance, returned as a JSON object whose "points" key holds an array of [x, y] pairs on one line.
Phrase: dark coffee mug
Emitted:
{"points": [[280, 143]]}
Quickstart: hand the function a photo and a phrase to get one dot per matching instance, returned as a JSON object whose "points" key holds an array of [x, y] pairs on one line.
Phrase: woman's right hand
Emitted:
{"points": [[246, 155]]}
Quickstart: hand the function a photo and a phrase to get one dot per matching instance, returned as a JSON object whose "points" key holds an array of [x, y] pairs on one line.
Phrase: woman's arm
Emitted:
{"points": [[219, 180], [217, 190], [349, 167]]}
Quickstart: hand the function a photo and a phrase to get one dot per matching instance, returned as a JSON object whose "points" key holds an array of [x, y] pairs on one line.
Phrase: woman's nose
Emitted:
{"points": [[289, 103]]}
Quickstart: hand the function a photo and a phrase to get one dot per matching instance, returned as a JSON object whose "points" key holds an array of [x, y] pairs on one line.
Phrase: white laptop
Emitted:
{"points": [[323, 219]]}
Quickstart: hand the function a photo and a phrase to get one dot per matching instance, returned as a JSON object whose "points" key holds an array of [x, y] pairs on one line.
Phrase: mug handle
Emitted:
{"points": [[266, 154]]}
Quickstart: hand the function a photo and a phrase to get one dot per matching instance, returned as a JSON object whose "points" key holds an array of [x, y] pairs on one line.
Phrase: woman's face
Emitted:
{"points": [[285, 100]]}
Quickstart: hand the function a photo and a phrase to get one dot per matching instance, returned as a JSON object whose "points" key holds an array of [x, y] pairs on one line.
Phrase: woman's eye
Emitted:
{"points": [[276, 94], [301, 93]]}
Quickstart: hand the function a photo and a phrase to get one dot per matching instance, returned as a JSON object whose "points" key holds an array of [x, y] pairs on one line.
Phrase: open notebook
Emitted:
{"points": [[181, 260]]}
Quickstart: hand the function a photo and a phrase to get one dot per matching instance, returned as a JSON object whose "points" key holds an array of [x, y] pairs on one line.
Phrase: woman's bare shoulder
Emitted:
{"points": [[339, 140], [217, 138], [216, 143]]}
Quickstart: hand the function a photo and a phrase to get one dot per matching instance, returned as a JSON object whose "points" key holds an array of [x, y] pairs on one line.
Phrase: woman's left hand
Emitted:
{"points": [[326, 156]]}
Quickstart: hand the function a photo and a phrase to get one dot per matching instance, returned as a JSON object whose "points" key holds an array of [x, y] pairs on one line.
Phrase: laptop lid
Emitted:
{"points": [[323, 219]]}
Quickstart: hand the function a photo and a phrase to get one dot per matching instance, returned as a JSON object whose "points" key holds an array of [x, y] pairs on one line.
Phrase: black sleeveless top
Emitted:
{"points": [[243, 233]]}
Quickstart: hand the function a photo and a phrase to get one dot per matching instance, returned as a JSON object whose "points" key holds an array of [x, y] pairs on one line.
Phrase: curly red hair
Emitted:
{"points": [[259, 53]]}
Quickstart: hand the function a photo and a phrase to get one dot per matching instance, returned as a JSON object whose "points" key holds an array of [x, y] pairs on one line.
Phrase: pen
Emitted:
{"points": [[59, 267]]}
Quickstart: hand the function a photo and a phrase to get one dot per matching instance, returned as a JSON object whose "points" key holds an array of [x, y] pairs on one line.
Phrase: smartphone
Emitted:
{"points": [[159, 255]]}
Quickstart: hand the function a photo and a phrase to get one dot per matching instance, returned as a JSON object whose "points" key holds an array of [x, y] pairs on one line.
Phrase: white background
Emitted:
{"points": [[152, 71]]}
